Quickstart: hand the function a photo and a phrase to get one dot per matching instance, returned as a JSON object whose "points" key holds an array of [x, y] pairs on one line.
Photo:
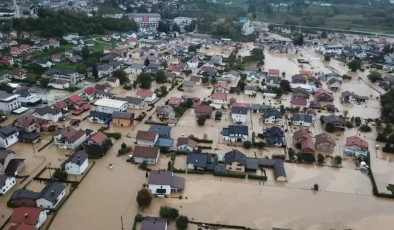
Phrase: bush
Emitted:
{"points": [[169, 166], [309, 158], [200, 140], [349, 124], [234, 175], [327, 58], [182, 222], [175, 170], [144, 198], [320, 158], [247, 144], [138, 218], [116, 136], [365, 128], [357, 121], [168, 212], [259, 145], [291, 154], [124, 150], [256, 177], [141, 116], [60, 175], [338, 160], [381, 137], [330, 128], [201, 120]]}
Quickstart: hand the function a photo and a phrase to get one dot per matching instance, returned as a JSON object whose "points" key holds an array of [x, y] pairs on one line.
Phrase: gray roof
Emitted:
{"points": [[4, 94], [48, 110], [302, 117], [24, 194], [239, 110], [251, 88], [199, 159], [276, 164], [235, 155], [164, 109], [77, 158], [274, 79], [137, 66], [103, 93], [333, 118], [236, 129], [52, 191], [271, 112], [189, 83], [154, 223], [130, 100], [158, 177], [122, 115], [7, 131], [3, 178]]}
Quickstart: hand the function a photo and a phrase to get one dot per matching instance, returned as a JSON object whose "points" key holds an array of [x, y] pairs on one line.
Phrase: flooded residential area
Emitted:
{"points": [[206, 145]]}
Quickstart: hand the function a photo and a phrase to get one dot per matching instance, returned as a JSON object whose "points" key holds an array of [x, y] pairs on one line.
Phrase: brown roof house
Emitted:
{"points": [[146, 138], [34, 124], [333, 120], [113, 81], [189, 86], [307, 146], [165, 182], [300, 135], [96, 139], [144, 153], [205, 110], [324, 142], [28, 215], [356, 146], [69, 138], [165, 112], [186, 144]]}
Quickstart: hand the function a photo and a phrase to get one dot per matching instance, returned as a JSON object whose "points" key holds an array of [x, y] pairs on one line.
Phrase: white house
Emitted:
{"points": [[8, 136], [222, 88], [136, 103], [271, 116], [239, 114], [146, 138], [192, 63], [9, 102], [302, 120], [69, 138], [250, 90], [28, 216], [110, 105], [71, 36], [51, 195], [76, 164], [28, 98], [136, 68], [49, 113], [165, 182], [59, 84], [146, 94], [148, 154], [186, 144], [113, 82], [219, 98], [6, 183], [235, 133]]}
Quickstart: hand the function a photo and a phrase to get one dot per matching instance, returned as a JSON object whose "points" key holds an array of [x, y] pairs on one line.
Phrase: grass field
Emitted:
{"points": [[66, 66]]}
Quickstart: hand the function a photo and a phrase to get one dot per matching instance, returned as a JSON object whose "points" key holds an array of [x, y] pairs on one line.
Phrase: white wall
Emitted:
{"points": [[106, 109], [43, 203], [9, 141], [153, 187], [185, 148], [140, 160], [75, 169], [9, 183], [41, 219], [239, 118]]}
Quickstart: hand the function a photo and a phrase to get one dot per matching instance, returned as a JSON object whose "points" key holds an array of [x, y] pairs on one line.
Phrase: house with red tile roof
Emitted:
{"points": [[34, 124], [28, 215], [75, 102], [222, 88], [306, 73], [219, 98], [273, 72], [323, 95], [186, 144], [324, 142], [175, 69], [18, 74], [69, 138], [146, 138], [307, 146], [59, 84], [300, 135], [7, 60], [61, 105], [56, 58], [193, 63], [204, 110], [146, 94], [96, 139], [53, 43], [25, 48], [89, 93], [15, 51], [356, 143], [175, 101], [298, 102]]}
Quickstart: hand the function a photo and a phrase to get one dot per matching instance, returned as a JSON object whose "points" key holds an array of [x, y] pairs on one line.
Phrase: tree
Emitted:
{"points": [[95, 72], [285, 85], [354, 65], [283, 74], [201, 120], [36, 68], [146, 62], [192, 49], [189, 103], [213, 81], [144, 80], [44, 82], [316, 187], [337, 160], [168, 212], [144, 165], [375, 76], [163, 27], [182, 222], [164, 64], [320, 158], [299, 40], [324, 34], [121, 75], [247, 144], [330, 128], [176, 28], [327, 58], [299, 157], [169, 166], [60, 175], [144, 198], [85, 52], [160, 77], [365, 128]]}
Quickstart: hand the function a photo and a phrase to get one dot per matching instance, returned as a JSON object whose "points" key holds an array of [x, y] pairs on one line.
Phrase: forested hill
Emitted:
{"points": [[56, 23]]}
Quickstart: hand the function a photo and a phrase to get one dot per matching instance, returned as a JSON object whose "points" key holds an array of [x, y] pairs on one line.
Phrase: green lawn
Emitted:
{"points": [[98, 47], [66, 66]]}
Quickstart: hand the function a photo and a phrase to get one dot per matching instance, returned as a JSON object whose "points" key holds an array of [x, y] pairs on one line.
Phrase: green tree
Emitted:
{"points": [[144, 80], [176, 28], [320, 158], [168, 212], [285, 85], [163, 27], [365, 128], [299, 40], [354, 65], [144, 198], [95, 72], [330, 128], [299, 157], [327, 58], [337, 160], [182, 222], [192, 49], [121, 75], [375, 76], [44, 82], [323, 34], [85, 52], [201, 120], [160, 77], [213, 81], [169, 166], [60, 175], [247, 144]]}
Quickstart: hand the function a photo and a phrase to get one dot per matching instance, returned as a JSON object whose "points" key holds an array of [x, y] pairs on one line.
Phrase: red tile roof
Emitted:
{"points": [[322, 91], [61, 104], [56, 56], [145, 152], [273, 72], [90, 91], [206, 109], [22, 226], [246, 105], [174, 101], [299, 101], [52, 41], [6, 59], [307, 144], [223, 85], [144, 93], [98, 137], [220, 96], [75, 98], [145, 135], [24, 46], [207, 68], [187, 141], [306, 73], [174, 68], [19, 215], [354, 140]]}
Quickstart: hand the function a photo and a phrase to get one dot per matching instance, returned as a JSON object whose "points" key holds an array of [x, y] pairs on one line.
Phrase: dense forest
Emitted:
{"points": [[57, 23]]}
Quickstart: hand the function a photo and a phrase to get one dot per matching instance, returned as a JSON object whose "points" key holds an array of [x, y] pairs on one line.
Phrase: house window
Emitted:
{"points": [[239, 169]]}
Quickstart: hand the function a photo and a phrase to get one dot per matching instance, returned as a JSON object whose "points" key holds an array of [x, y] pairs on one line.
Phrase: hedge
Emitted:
{"points": [[205, 147], [181, 153], [256, 177], [195, 172], [234, 175], [175, 170], [141, 116], [156, 123], [201, 140], [220, 225], [116, 136], [260, 135], [151, 108]]}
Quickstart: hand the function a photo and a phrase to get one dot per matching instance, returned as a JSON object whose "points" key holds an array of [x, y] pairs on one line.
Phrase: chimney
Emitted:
{"points": [[26, 215], [53, 192]]}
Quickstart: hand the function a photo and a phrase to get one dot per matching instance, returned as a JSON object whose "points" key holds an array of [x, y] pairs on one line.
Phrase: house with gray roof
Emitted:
{"points": [[189, 86], [136, 68], [271, 116], [336, 121], [161, 130], [8, 136], [165, 112], [165, 182], [275, 136], [76, 164], [235, 133], [133, 102], [154, 223], [302, 120], [239, 114], [258, 108], [251, 90], [272, 80], [200, 161]]}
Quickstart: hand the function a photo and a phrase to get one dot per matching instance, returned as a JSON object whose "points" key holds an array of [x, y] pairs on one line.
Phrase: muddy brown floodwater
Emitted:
{"points": [[344, 200]]}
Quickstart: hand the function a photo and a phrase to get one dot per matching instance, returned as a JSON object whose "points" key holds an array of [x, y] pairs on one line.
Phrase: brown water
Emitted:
{"points": [[345, 199]]}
